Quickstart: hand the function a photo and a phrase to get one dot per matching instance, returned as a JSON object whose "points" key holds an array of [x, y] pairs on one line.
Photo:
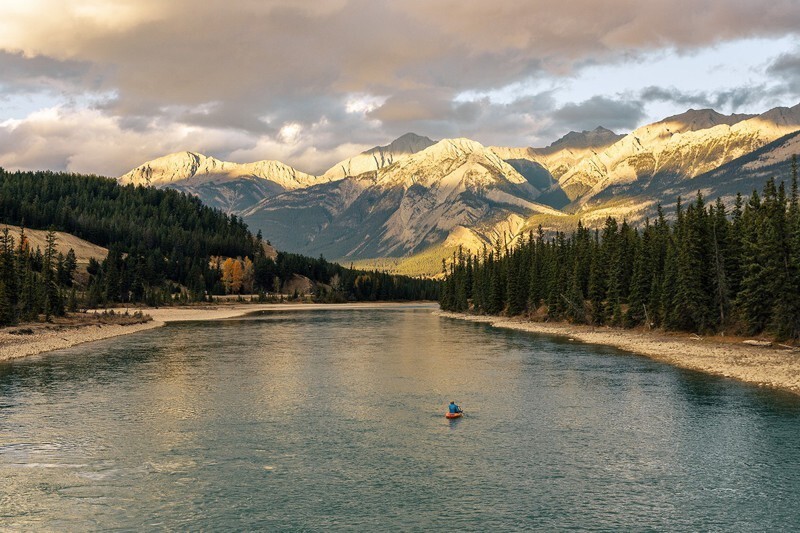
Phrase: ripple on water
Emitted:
{"points": [[333, 420]]}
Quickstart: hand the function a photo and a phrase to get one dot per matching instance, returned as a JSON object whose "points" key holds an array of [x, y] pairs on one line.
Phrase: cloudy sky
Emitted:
{"points": [[100, 86]]}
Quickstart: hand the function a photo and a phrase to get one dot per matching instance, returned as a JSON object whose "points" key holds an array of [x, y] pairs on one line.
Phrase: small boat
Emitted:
{"points": [[453, 415]]}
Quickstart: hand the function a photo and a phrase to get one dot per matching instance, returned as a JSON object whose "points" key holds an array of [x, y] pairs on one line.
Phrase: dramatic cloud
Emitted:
{"points": [[599, 110], [732, 98], [40, 73], [159, 74], [787, 69], [81, 140]]}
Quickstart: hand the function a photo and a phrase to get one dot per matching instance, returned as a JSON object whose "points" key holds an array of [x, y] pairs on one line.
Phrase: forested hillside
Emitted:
{"points": [[714, 268], [163, 246]]}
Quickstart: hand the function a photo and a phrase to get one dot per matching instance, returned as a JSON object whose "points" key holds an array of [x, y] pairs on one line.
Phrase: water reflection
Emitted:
{"points": [[334, 419]]}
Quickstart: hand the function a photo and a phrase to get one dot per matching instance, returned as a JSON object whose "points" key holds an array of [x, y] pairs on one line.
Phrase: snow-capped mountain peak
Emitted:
{"points": [[378, 157], [198, 168]]}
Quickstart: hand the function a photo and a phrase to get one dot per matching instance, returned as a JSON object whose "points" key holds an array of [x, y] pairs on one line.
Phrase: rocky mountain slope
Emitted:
{"points": [[744, 174], [378, 157], [543, 167], [414, 198], [238, 187], [677, 148], [231, 187], [741, 175], [455, 192]]}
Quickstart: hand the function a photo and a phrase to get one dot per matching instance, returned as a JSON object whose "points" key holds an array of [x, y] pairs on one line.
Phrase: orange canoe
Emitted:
{"points": [[453, 415]]}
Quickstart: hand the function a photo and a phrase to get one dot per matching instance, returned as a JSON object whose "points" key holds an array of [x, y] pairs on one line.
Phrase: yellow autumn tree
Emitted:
{"points": [[227, 275], [237, 276], [249, 277]]}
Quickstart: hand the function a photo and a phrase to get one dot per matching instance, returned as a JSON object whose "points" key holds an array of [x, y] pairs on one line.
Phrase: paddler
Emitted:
{"points": [[454, 408]]}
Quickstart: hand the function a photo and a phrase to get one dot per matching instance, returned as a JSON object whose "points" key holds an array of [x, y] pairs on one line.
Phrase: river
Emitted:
{"points": [[334, 419]]}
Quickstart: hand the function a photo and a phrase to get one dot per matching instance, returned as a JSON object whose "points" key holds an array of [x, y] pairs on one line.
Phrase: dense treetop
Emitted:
{"points": [[163, 246], [711, 269]]}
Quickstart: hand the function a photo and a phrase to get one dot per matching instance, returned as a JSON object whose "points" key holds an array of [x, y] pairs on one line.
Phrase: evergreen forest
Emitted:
{"points": [[712, 269], [163, 247]]}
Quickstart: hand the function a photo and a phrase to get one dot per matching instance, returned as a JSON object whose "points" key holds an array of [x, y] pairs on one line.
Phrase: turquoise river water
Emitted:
{"points": [[334, 420]]}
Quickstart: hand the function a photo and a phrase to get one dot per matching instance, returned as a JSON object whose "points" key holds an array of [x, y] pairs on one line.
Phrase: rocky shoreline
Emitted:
{"points": [[765, 366]]}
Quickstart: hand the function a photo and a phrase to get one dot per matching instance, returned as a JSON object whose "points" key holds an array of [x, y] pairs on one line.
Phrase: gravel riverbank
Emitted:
{"points": [[765, 366]]}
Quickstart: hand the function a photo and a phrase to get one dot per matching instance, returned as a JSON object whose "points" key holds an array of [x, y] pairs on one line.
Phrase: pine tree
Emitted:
{"points": [[112, 277], [70, 266], [691, 304], [779, 246], [535, 278], [496, 301], [641, 279], [7, 316], [598, 280], [9, 279], [754, 299], [733, 259], [53, 303], [516, 296], [791, 325], [667, 303], [719, 237], [447, 299]]}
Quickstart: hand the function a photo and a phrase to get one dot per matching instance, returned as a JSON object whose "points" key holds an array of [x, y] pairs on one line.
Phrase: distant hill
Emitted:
{"points": [[84, 250]]}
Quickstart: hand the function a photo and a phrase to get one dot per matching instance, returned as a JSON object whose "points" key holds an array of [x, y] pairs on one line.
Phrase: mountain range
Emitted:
{"points": [[409, 203]]}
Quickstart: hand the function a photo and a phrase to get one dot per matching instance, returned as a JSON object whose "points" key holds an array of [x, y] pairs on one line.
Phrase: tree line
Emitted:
{"points": [[34, 282], [163, 246], [710, 269]]}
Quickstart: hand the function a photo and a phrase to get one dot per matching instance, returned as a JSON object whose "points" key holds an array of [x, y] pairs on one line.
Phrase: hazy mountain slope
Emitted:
{"points": [[378, 157], [231, 187], [293, 220], [455, 189]]}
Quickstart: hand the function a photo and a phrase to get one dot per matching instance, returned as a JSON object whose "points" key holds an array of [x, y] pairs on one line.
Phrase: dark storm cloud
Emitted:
{"points": [[732, 99], [20, 74], [786, 64], [786, 70], [599, 110]]}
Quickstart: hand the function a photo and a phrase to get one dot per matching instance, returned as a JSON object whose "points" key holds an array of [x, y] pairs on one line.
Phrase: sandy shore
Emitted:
{"points": [[16, 346], [46, 339], [769, 367]]}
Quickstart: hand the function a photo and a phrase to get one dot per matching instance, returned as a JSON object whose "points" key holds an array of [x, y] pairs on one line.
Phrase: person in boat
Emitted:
{"points": [[454, 408]]}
